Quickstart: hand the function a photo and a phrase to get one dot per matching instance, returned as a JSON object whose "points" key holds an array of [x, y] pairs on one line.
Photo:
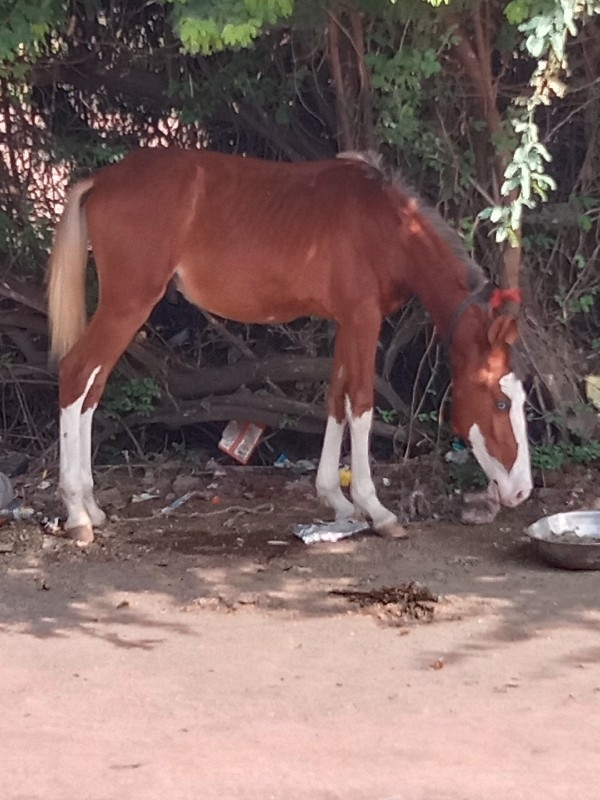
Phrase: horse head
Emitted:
{"points": [[489, 398]]}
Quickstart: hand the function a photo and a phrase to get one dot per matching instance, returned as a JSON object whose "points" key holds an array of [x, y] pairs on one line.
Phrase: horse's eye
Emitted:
{"points": [[502, 405]]}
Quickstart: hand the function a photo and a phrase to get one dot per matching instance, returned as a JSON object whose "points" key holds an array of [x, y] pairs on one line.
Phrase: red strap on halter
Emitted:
{"points": [[501, 296]]}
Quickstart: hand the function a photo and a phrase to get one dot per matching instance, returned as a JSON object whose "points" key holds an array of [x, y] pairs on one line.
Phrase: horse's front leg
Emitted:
{"points": [[360, 346], [328, 474], [362, 487]]}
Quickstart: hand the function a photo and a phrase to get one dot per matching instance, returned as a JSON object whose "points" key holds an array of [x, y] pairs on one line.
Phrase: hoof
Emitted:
{"points": [[392, 530], [479, 508], [82, 535], [97, 516], [478, 514], [94, 512], [345, 511]]}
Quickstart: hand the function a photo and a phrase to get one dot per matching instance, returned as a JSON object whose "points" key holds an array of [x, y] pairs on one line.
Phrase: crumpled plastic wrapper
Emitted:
{"points": [[330, 531]]}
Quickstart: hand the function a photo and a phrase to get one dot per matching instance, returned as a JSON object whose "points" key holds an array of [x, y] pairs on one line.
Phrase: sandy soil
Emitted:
{"points": [[180, 657]]}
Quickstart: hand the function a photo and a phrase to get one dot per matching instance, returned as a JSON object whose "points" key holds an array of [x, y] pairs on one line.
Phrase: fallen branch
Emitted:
{"points": [[25, 295], [27, 373], [187, 383], [230, 337], [276, 370], [275, 412], [23, 320]]}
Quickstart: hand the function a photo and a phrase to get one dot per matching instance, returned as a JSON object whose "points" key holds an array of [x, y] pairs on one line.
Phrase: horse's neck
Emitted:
{"points": [[441, 289]]}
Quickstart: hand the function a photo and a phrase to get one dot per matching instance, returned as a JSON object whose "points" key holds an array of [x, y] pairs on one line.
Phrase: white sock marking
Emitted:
{"points": [[97, 516], [71, 473], [362, 487], [328, 476]]}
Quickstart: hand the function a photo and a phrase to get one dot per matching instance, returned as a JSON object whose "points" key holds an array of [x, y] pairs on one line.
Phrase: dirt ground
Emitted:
{"points": [[209, 653]]}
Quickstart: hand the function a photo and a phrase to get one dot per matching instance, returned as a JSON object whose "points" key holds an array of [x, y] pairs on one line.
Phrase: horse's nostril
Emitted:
{"points": [[520, 496]]}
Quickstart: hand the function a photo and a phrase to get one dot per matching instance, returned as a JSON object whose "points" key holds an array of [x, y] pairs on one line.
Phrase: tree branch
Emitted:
{"points": [[11, 289], [276, 412], [344, 132]]}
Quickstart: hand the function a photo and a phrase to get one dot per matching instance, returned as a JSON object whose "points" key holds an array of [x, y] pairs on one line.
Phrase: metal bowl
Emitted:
{"points": [[570, 540]]}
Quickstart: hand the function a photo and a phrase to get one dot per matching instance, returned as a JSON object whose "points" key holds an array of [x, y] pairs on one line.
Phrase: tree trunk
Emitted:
{"points": [[552, 366], [351, 80]]}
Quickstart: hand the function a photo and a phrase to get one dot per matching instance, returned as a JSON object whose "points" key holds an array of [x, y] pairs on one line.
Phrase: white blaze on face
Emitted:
{"points": [[514, 484]]}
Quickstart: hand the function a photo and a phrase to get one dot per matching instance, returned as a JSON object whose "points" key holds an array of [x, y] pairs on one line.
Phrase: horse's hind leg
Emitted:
{"points": [[95, 513], [82, 377], [328, 474], [72, 473]]}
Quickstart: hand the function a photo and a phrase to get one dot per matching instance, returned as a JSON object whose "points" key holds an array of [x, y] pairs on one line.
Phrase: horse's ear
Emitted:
{"points": [[503, 330]]}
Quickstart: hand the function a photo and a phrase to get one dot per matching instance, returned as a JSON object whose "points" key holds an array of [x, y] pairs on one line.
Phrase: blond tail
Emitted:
{"points": [[66, 281]]}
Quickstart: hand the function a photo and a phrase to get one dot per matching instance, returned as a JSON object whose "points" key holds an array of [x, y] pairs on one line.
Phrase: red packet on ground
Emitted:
{"points": [[240, 439]]}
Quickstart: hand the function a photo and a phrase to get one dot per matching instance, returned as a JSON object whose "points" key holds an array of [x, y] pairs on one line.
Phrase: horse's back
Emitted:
{"points": [[249, 239], [326, 185]]}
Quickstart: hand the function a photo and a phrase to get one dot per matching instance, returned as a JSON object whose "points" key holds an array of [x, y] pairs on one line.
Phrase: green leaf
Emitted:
{"points": [[516, 12], [509, 186], [535, 45], [526, 185]]}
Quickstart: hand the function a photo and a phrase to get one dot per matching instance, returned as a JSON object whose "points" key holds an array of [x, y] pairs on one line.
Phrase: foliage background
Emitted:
{"points": [[490, 108]]}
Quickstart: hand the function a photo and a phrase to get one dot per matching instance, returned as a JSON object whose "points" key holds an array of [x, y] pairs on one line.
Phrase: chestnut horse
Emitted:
{"points": [[262, 242]]}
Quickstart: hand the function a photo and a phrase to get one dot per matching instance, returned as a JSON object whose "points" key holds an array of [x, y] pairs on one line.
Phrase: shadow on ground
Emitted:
{"points": [[151, 573]]}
